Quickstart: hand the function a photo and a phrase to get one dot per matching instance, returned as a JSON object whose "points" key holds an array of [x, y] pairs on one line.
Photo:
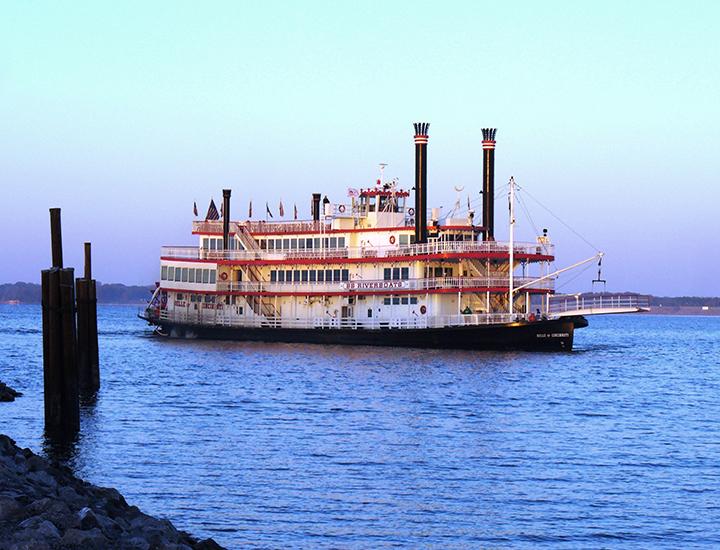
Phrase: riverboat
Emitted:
{"points": [[374, 269]]}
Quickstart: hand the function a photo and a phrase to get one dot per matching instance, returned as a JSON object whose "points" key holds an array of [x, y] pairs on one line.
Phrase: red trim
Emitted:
{"points": [[409, 228], [378, 292], [375, 260]]}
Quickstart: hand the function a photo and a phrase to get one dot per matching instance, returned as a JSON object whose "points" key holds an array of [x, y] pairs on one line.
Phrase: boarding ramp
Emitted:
{"points": [[567, 305]]}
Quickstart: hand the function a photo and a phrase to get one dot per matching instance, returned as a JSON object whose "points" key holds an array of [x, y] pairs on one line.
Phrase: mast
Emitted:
{"points": [[512, 239]]}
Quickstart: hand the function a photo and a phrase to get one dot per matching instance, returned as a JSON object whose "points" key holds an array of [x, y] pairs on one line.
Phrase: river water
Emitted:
{"points": [[271, 445]]}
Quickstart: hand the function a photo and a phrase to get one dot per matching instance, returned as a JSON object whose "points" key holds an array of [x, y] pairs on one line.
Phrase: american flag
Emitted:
{"points": [[250, 210], [267, 210], [212, 213], [195, 209], [295, 210], [282, 210]]}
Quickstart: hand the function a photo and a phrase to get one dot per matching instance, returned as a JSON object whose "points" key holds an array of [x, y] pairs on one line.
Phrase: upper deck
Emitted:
{"points": [[359, 254]]}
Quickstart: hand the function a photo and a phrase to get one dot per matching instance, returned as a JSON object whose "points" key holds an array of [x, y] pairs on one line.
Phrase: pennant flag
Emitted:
{"points": [[222, 214], [468, 202], [212, 213], [352, 192], [282, 210], [250, 210], [195, 209], [267, 210], [295, 210]]}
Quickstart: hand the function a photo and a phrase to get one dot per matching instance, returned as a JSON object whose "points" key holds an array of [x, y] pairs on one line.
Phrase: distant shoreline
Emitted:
{"points": [[138, 295]]}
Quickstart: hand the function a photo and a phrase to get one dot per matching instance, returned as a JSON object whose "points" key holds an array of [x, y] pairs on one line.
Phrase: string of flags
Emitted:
{"points": [[213, 214]]}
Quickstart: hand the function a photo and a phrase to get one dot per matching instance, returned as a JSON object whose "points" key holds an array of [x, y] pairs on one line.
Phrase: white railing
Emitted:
{"points": [[433, 283], [226, 317], [578, 302], [437, 247]]}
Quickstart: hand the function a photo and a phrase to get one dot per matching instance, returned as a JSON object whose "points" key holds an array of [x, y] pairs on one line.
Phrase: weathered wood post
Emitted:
{"points": [[88, 360], [60, 376]]}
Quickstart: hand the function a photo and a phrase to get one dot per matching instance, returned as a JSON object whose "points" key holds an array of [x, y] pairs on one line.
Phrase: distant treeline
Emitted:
{"points": [[114, 293], [684, 301]]}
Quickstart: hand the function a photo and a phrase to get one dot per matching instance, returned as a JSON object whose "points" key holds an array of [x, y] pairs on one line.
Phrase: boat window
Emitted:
{"points": [[328, 275], [171, 273], [345, 274], [296, 276], [184, 274], [316, 242], [333, 242], [301, 244], [386, 301], [163, 273], [369, 312], [293, 243], [304, 276], [281, 276], [396, 273], [321, 276], [179, 297], [288, 275], [371, 204], [263, 244], [336, 274], [212, 244], [413, 300], [206, 276], [404, 240], [405, 273], [273, 276], [396, 301], [212, 276], [191, 275], [209, 299], [313, 275], [271, 244], [341, 242], [278, 244], [404, 300], [308, 243], [387, 273]]}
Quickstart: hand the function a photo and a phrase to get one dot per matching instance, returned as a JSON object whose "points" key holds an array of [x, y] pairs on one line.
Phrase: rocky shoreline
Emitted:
{"points": [[45, 507]]}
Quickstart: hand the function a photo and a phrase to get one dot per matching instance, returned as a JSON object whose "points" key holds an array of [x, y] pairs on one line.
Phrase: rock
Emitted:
{"points": [[134, 543], [76, 538], [9, 508], [207, 544], [88, 519], [8, 394]]}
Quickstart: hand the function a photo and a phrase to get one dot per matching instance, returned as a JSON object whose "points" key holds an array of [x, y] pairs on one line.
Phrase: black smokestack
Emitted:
{"points": [[226, 218], [316, 207], [488, 145], [421, 139]]}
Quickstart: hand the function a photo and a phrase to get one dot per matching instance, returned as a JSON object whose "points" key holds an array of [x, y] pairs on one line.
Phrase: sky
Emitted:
{"points": [[125, 113]]}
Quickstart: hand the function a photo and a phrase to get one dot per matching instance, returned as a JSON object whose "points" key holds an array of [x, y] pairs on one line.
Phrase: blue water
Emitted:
{"points": [[616, 444]]}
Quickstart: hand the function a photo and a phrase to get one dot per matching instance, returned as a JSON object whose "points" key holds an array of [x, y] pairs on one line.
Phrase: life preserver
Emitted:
{"points": [[531, 318], [392, 239], [411, 211], [423, 310], [341, 208], [223, 276]]}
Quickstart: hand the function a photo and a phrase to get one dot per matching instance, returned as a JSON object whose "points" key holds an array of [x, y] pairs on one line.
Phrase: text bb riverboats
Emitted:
{"points": [[373, 270]]}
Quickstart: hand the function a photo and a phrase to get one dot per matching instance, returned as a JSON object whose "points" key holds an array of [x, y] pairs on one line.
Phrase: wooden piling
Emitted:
{"points": [[60, 375], [88, 360]]}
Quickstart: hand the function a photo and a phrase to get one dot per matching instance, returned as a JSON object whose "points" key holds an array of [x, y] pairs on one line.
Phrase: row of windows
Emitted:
{"points": [[217, 244], [309, 275], [396, 273], [438, 272], [302, 244], [187, 274], [397, 300]]}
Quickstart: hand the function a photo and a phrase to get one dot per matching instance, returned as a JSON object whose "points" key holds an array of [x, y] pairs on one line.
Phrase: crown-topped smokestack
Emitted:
{"points": [[488, 145], [421, 139]]}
